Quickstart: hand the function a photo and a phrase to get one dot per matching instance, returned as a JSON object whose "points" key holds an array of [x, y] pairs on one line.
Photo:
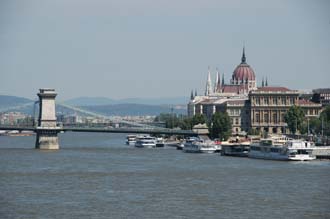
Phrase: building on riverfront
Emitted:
{"points": [[322, 96], [249, 107]]}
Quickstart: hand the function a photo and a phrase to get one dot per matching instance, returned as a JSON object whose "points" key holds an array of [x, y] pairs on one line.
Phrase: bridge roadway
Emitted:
{"points": [[109, 130]]}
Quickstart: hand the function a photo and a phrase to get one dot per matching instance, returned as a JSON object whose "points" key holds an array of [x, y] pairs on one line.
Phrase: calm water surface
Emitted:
{"points": [[98, 176]]}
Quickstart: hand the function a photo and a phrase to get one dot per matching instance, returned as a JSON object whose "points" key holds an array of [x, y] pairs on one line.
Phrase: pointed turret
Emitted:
{"points": [[196, 93], [266, 83], [192, 95], [223, 79], [216, 81], [217, 85], [263, 82], [208, 89]]}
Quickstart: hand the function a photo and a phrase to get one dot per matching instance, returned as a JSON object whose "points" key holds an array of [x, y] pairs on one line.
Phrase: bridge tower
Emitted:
{"points": [[47, 128]]}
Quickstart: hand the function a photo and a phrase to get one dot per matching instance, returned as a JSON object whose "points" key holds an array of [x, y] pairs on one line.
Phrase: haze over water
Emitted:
{"points": [[98, 176]]}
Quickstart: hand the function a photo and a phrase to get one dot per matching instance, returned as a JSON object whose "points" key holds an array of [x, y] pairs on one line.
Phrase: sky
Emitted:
{"points": [[149, 48]]}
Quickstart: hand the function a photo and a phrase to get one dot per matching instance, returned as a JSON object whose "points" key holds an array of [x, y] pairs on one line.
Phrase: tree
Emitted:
{"points": [[198, 118], [171, 120], [220, 126], [185, 123], [295, 119], [325, 121], [325, 115]]}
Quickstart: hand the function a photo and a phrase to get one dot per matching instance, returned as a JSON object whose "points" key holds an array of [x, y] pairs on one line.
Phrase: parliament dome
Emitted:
{"points": [[243, 71]]}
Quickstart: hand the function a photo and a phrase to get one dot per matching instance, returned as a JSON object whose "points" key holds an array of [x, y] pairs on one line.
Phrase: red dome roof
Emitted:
{"points": [[243, 71]]}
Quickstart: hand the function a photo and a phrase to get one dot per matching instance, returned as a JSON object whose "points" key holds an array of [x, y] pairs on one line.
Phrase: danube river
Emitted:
{"points": [[98, 176]]}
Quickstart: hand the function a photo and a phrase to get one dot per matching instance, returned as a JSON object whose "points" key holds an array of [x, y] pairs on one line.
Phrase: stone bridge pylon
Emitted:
{"points": [[47, 128]]}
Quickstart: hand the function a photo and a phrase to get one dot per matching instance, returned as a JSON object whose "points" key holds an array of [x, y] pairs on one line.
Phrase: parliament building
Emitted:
{"points": [[249, 107]]}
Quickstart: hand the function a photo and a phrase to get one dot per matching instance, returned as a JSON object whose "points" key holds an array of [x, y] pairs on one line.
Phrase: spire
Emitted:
{"points": [[215, 88], [243, 55], [196, 92], [192, 95], [263, 82], [223, 79], [217, 84], [266, 83], [208, 89]]}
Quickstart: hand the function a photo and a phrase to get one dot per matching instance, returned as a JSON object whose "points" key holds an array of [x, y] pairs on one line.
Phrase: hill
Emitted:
{"points": [[96, 101], [133, 109], [12, 101], [100, 105]]}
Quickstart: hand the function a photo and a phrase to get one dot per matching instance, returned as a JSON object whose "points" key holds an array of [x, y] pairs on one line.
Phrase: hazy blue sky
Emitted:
{"points": [[149, 48]]}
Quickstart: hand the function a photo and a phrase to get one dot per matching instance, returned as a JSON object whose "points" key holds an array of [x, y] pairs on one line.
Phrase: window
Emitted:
{"points": [[258, 117], [274, 150], [283, 101], [266, 118], [275, 100], [292, 100], [274, 118], [257, 100], [266, 100]]}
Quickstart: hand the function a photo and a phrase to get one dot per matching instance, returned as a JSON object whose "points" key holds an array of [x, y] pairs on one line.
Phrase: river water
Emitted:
{"points": [[98, 176]]}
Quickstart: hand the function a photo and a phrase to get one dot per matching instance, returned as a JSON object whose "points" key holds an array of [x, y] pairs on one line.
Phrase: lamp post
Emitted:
{"points": [[308, 126], [322, 126]]}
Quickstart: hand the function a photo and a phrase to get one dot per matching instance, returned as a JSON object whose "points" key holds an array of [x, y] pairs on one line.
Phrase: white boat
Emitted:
{"points": [[196, 145], [160, 142], [180, 146], [282, 149], [131, 139], [300, 150], [145, 141]]}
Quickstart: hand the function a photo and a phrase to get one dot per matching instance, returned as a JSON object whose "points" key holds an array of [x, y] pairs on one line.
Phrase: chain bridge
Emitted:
{"points": [[47, 128]]}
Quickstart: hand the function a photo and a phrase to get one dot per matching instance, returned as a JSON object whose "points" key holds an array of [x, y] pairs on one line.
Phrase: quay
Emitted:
{"points": [[321, 152]]}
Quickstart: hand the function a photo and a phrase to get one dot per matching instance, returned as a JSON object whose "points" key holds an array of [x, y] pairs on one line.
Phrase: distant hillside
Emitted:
{"points": [[133, 109], [96, 101], [90, 101], [12, 101], [101, 105]]}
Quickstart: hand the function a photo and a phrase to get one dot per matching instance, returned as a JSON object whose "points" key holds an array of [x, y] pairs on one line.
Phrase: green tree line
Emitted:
{"points": [[219, 125]]}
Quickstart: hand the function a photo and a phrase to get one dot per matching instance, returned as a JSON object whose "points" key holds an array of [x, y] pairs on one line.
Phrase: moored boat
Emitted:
{"points": [[160, 142], [196, 145], [235, 149], [285, 149], [145, 141], [130, 139]]}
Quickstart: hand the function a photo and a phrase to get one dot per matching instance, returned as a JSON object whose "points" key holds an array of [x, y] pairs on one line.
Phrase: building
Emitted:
{"points": [[268, 105], [249, 107], [231, 98], [321, 96]]}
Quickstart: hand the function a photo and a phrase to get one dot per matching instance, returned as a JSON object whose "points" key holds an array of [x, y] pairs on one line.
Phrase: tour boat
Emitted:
{"points": [[131, 139], [196, 145], [145, 141], [235, 149], [270, 148]]}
